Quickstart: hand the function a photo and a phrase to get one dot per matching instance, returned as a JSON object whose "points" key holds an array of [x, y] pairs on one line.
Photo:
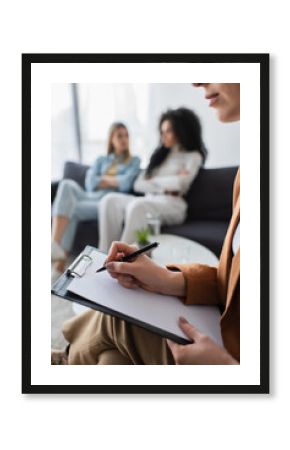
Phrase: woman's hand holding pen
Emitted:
{"points": [[142, 272]]}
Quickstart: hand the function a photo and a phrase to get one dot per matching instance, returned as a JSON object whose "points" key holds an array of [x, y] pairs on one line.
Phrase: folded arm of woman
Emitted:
{"points": [[147, 186], [183, 179], [93, 175], [125, 181], [179, 182], [95, 179]]}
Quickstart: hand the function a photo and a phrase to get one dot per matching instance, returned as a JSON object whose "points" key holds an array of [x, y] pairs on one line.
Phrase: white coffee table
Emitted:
{"points": [[174, 249]]}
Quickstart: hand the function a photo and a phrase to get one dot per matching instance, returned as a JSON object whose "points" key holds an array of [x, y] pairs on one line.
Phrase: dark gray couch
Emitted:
{"points": [[209, 208]]}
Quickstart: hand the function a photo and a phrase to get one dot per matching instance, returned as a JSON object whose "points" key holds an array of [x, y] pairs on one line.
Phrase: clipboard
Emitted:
{"points": [[81, 267], [78, 269]]}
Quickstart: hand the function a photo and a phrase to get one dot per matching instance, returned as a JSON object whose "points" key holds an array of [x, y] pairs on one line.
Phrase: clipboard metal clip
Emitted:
{"points": [[79, 267]]}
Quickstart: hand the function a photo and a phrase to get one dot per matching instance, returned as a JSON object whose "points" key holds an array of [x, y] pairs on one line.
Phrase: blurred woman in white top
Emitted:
{"points": [[171, 170]]}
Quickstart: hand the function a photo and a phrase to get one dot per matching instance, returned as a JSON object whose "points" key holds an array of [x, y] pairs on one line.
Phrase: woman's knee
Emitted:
{"points": [[109, 202], [110, 198], [82, 355], [137, 207], [113, 357], [88, 336], [66, 189], [68, 184]]}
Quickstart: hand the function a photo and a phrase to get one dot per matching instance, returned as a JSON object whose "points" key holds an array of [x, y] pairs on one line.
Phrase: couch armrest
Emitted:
{"points": [[54, 186]]}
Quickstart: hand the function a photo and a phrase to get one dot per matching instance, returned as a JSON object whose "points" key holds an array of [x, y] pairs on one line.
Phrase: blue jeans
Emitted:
{"points": [[76, 204]]}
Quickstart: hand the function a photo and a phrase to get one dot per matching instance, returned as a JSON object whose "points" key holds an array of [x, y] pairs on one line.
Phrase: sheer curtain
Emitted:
{"points": [[99, 106], [102, 104], [63, 138]]}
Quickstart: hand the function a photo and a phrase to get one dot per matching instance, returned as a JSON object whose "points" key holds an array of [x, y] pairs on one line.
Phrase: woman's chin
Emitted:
{"points": [[228, 116], [225, 117]]}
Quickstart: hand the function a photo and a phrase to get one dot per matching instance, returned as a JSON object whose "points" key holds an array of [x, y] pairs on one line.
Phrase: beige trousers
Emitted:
{"points": [[97, 338]]}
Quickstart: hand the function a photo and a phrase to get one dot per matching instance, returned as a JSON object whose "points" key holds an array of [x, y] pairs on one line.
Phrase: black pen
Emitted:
{"points": [[133, 255]]}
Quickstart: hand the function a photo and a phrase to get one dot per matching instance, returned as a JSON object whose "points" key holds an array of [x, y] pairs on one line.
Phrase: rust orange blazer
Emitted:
{"points": [[220, 285]]}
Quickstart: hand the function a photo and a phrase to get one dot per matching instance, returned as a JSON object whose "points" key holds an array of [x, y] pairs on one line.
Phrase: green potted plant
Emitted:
{"points": [[142, 236]]}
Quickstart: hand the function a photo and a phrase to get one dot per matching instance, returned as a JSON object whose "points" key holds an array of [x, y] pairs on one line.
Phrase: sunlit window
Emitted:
{"points": [[102, 104], [63, 138]]}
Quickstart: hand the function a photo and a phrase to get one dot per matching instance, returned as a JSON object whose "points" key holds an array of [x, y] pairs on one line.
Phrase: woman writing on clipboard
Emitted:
{"points": [[97, 338]]}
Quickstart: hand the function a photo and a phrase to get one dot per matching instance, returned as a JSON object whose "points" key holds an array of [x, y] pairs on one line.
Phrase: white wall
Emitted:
{"points": [[139, 106], [222, 140]]}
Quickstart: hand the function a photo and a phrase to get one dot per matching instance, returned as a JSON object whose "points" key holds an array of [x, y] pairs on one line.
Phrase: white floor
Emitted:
{"points": [[61, 310]]}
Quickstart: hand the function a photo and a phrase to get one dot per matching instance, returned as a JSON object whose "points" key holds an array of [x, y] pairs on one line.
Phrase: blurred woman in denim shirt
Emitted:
{"points": [[114, 172]]}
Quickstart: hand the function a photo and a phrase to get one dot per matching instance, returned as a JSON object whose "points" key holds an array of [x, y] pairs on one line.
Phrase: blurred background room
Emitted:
{"points": [[81, 117]]}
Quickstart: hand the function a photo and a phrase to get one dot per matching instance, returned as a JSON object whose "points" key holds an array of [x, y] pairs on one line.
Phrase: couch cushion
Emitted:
{"points": [[75, 171], [211, 234], [209, 208], [210, 195], [87, 233]]}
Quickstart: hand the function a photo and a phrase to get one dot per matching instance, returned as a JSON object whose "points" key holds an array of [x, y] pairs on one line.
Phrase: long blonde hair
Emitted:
{"points": [[114, 127]]}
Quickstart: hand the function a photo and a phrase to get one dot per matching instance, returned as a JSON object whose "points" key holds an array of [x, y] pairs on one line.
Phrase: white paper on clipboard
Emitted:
{"points": [[161, 311]]}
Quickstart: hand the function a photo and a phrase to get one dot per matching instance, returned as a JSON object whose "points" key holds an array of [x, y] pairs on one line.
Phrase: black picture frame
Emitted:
{"points": [[263, 61]]}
